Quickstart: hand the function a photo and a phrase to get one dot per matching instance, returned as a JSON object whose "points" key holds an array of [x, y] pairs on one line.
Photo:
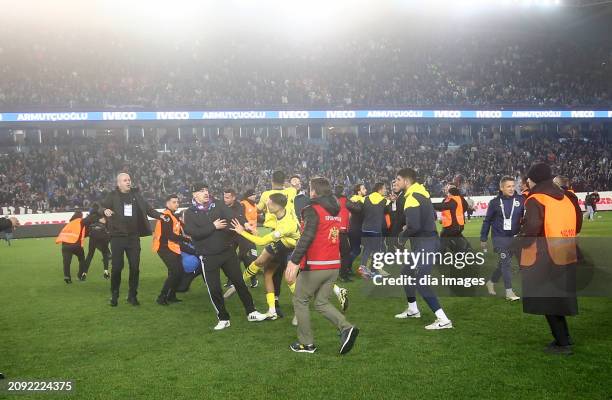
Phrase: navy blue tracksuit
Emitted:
{"points": [[502, 239]]}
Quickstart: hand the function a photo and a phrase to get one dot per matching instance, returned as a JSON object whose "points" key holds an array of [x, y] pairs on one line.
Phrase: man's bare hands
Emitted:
{"points": [[237, 226], [220, 223]]}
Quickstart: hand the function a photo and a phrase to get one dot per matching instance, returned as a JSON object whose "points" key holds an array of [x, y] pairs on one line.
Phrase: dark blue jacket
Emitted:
{"points": [[494, 220]]}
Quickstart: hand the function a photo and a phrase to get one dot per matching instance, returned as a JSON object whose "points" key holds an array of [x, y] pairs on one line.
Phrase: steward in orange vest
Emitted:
{"points": [[453, 209], [167, 239], [549, 255], [72, 237], [250, 209]]}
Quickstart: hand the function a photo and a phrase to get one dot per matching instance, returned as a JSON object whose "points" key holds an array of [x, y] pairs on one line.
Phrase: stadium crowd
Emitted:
{"points": [[384, 70], [56, 178]]}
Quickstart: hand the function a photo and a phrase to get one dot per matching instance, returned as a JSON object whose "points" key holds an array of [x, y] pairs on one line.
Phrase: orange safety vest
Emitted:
{"points": [[447, 219], [559, 230], [250, 213], [176, 228], [72, 233]]}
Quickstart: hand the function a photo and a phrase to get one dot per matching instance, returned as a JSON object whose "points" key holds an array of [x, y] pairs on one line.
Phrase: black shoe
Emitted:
{"points": [[347, 339], [554, 348], [279, 311], [68, 280], [113, 301], [133, 301], [173, 300], [106, 274], [83, 276], [303, 348], [254, 282], [161, 300], [345, 279], [228, 283], [1, 375]]}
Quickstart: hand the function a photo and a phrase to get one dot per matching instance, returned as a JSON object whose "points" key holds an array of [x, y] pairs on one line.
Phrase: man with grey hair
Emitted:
{"points": [[127, 213]]}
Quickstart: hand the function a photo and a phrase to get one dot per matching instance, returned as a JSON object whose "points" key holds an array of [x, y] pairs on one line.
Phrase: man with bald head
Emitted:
{"points": [[127, 212]]}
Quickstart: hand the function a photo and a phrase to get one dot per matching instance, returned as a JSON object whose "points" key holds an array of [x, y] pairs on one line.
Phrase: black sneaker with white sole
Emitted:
{"points": [[347, 339], [303, 348]]}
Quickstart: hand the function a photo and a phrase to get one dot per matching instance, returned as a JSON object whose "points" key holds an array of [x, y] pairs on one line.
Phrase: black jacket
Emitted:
{"points": [[98, 231], [116, 225], [398, 220], [300, 202], [311, 223], [237, 210], [5, 224], [206, 239]]}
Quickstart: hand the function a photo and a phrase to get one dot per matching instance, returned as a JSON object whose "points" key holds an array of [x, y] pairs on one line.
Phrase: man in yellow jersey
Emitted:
{"points": [[278, 246], [278, 186]]}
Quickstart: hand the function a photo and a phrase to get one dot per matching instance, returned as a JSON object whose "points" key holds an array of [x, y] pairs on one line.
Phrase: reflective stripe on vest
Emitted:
{"points": [[176, 228], [447, 219], [71, 233], [324, 251], [559, 231]]}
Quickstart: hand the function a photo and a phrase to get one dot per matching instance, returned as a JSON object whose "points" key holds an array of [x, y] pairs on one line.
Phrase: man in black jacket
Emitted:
{"points": [[127, 212], [99, 238], [7, 225], [247, 251], [206, 222]]}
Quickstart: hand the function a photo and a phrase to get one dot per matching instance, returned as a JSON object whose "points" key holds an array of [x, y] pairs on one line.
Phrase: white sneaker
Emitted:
{"points": [[229, 292], [256, 316], [343, 299], [271, 316], [222, 325], [438, 324], [294, 321], [511, 296], [408, 313], [491, 288]]}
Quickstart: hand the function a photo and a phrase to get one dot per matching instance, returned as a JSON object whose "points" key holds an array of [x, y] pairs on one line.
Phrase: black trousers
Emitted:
{"points": [[345, 255], [130, 246], [211, 273], [174, 263], [100, 245], [247, 252], [69, 250], [355, 243], [559, 329], [452, 239]]}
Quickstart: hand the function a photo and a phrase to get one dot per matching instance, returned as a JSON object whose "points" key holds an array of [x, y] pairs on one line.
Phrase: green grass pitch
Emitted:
{"points": [[53, 331]]}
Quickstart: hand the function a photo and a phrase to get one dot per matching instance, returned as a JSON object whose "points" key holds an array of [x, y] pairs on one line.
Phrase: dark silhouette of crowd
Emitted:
{"points": [[68, 176]]}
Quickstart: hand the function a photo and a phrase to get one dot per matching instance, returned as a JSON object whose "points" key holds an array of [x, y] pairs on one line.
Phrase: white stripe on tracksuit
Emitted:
{"points": [[207, 289]]}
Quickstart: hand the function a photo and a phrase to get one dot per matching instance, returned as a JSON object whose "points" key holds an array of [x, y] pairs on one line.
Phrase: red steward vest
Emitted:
{"points": [[343, 214], [324, 251]]}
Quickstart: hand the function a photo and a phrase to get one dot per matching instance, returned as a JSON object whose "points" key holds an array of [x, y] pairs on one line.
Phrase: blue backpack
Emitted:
{"points": [[190, 261]]}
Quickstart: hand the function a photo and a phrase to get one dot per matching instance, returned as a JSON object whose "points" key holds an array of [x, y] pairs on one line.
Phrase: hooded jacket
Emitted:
{"points": [[311, 222], [374, 209], [420, 217]]}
